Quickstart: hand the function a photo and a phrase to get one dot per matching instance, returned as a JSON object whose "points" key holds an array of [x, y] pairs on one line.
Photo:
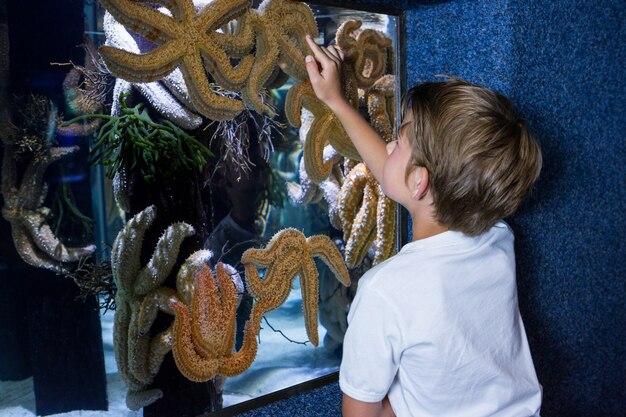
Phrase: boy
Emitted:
{"points": [[436, 329]]}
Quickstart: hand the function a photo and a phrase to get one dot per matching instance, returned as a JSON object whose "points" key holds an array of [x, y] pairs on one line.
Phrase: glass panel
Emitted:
{"points": [[151, 146]]}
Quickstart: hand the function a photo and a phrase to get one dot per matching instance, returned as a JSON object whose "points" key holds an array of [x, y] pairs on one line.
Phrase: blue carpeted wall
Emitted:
{"points": [[563, 64]]}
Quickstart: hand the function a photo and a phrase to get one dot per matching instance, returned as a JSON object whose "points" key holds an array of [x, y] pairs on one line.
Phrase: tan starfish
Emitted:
{"points": [[365, 50], [188, 41], [326, 128], [280, 27], [204, 339], [367, 216], [381, 106], [290, 253]]}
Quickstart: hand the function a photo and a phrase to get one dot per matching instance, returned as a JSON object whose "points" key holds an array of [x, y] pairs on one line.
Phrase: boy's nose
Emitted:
{"points": [[391, 146]]}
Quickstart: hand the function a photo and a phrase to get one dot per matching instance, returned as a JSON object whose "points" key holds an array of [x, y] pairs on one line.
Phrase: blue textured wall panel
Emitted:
{"points": [[563, 64]]}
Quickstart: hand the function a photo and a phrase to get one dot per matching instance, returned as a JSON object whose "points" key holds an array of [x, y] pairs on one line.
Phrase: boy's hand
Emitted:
{"points": [[325, 73]]}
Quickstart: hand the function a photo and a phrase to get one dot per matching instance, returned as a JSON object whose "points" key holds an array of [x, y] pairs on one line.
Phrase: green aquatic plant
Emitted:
{"points": [[134, 141]]}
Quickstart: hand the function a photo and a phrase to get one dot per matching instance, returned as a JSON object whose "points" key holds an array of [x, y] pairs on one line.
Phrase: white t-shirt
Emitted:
{"points": [[437, 328]]}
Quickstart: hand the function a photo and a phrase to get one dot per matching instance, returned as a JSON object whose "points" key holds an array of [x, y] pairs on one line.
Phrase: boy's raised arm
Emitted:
{"points": [[327, 86]]}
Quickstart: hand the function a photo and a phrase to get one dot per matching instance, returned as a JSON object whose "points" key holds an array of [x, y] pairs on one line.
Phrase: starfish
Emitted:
{"points": [[168, 96], [381, 106], [325, 128], [23, 208], [367, 217], [290, 253], [204, 338], [280, 27], [307, 192], [364, 50], [138, 356], [188, 41], [384, 243]]}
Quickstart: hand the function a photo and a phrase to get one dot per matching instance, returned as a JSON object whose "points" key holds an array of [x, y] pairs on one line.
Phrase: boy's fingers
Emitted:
{"points": [[320, 55], [334, 52], [312, 69]]}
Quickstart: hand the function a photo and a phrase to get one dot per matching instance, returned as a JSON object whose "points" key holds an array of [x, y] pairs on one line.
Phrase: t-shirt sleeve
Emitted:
{"points": [[372, 348]]}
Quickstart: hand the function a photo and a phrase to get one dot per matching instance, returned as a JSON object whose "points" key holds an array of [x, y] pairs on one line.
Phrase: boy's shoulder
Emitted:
{"points": [[427, 261]]}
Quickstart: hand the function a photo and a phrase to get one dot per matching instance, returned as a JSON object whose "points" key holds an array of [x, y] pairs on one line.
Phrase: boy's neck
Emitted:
{"points": [[426, 227]]}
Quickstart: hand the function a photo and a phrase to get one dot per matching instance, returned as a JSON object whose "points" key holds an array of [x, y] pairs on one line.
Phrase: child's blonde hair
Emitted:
{"points": [[481, 159]]}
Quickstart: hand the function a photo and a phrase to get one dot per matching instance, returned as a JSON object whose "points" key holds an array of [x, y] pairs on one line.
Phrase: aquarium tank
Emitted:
{"points": [[184, 223]]}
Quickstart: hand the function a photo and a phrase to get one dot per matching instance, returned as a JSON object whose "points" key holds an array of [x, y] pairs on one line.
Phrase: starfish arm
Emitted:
{"points": [[120, 342], [307, 191], [32, 184], [138, 348], [330, 190], [363, 230], [277, 246], [121, 190], [155, 301], [163, 258], [313, 154], [193, 366], [340, 140], [230, 299], [282, 257], [240, 42], [299, 96], [136, 400], [215, 55], [310, 293], [143, 68], [350, 197], [144, 20], [44, 238], [185, 283], [30, 253], [346, 42], [219, 12], [371, 62], [265, 62], [350, 87], [302, 95], [207, 102], [160, 345], [294, 20], [205, 315], [238, 362], [304, 193], [217, 63], [380, 112], [182, 10], [126, 251], [253, 279], [278, 279], [384, 244], [324, 248], [293, 103]]}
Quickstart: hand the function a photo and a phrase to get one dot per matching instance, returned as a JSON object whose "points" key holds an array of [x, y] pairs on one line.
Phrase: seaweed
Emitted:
{"points": [[133, 141]]}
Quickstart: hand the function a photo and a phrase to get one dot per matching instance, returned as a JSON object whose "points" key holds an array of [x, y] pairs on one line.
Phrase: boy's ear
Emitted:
{"points": [[418, 183]]}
